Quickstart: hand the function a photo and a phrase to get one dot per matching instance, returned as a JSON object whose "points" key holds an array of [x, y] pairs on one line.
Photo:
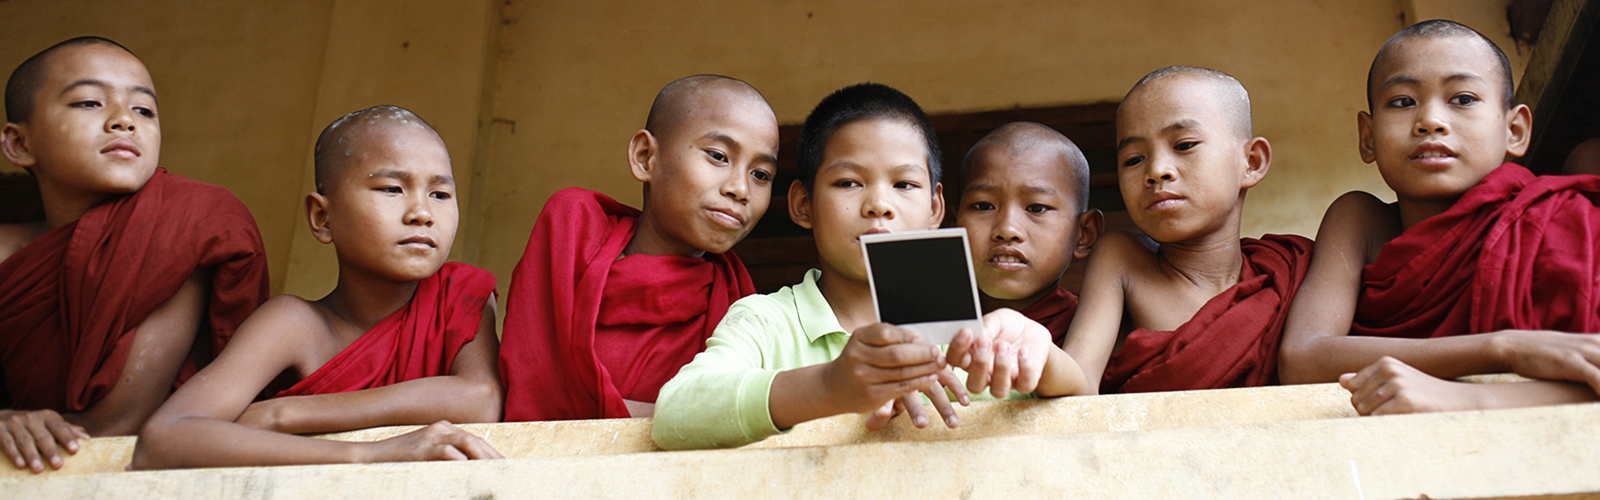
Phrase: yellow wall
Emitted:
{"points": [[535, 97]]}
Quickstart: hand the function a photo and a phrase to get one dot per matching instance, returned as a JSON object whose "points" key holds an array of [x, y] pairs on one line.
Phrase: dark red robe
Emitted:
{"points": [[1055, 312], [585, 330], [71, 300], [1232, 341], [1517, 251], [419, 340]]}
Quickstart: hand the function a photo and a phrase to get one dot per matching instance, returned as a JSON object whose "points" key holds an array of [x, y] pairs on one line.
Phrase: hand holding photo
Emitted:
{"points": [[922, 281]]}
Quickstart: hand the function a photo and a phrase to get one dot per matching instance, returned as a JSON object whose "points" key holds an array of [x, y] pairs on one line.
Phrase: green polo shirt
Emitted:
{"points": [[720, 398]]}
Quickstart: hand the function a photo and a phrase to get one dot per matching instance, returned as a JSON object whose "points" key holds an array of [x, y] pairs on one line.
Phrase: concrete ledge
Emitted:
{"points": [[1123, 412], [1524, 453]]}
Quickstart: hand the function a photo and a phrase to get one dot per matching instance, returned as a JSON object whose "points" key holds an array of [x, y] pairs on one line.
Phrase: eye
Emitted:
{"points": [[907, 185], [846, 183], [1402, 102], [440, 195], [982, 206], [145, 112], [86, 104], [1133, 161], [1465, 100], [1038, 209], [389, 189], [761, 175], [1185, 146], [717, 156]]}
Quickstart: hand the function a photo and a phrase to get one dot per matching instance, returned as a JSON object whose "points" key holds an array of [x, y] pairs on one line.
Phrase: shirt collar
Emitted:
{"points": [[816, 316]]}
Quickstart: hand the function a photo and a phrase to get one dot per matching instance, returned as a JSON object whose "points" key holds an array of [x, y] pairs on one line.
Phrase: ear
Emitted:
{"points": [[15, 142], [317, 215], [1369, 150], [1519, 125], [1090, 225], [799, 204], [1258, 160], [642, 150], [938, 206]]}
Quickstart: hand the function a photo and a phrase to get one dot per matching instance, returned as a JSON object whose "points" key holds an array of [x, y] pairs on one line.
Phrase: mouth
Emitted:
{"points": [[1007, 259], [122, 148], [874, 230], [727, 217], [419, 242], [1433, 154], [1164, 200]]}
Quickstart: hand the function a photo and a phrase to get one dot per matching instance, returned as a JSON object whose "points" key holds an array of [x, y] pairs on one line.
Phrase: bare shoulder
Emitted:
{"points": [[1358, 221], [286, 318], [15, 236], [1124, 252]]}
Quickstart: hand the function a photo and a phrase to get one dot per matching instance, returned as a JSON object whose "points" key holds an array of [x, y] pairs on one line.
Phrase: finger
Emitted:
{"points": [[901, 355], [912, 403], [879, 418], [949, 380], [941, 403], [878, 375], [9, 444], [66, 434], [1345, 382], [981, 366], [1030, 366], [884, 334], [453, 453], [30, 451], [1591, 376], [1005, 369], [478, 449], [45, 442], [959, 352]]}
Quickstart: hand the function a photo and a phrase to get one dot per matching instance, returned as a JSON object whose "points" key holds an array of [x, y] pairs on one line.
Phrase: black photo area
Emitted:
{"points": [[921, 281]]}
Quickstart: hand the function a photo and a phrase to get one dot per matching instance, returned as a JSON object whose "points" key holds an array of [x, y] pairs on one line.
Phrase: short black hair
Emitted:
{"points": [[29, 76], [862, 101], [1444, 28]]}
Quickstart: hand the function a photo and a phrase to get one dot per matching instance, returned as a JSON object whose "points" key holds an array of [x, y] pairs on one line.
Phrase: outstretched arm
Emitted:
{"points": [[196, 428], [1093, 334], [470, 393], [1391, 387], [160, 345]]}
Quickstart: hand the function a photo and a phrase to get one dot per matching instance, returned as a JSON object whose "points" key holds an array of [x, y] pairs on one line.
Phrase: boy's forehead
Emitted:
{"points": [[1450, 55], [384, 149], [95, 61], [1172, 102], [716, 110], [1039, 166]]}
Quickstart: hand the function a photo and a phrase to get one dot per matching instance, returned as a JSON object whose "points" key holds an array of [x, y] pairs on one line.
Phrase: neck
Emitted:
{"points": [[1415, 211], [990, 303], [851, 301], [649, 240], [62, 206], [364, 300], [1212, 262]]}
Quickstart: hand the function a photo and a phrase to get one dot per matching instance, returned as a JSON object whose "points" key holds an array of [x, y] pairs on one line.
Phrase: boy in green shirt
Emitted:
{"points": [[868, 163]]}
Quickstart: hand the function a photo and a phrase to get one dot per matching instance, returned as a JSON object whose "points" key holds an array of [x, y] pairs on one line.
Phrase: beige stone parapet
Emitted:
{"points": [[1123, 412], [1549, 452]]}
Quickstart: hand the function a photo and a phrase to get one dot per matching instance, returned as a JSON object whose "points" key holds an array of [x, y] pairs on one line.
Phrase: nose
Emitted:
{"points": [[876, 205], [737, 186], [1159, 171], [121, 119], [1005, 229], [1431, 121], [417, 214]]}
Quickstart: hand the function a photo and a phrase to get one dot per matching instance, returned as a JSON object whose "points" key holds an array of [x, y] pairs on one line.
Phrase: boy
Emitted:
{"points": [[404, 338], [1471, 246], [1206, 307], [1026, 210], [608, 302], [135, 278], [868, 163]]}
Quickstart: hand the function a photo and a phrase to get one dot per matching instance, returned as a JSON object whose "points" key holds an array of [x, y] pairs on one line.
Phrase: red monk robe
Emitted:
{"points": [[71, 300], [585, 330], [1055, 312], [1517, 251], [419, 340], [1232, 341]]}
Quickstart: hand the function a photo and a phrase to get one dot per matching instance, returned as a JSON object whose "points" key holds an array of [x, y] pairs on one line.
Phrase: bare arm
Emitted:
{"points": [[470, 393], [1317, 346], [196, 428], [1093, 333], [1390, 387]]}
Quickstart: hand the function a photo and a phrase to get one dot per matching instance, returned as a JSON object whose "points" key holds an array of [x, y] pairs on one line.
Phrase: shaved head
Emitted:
{"points": [[1229, 93], [348, 137], [29, 76], [1028, 138], [686, 96], [1442, 28]]}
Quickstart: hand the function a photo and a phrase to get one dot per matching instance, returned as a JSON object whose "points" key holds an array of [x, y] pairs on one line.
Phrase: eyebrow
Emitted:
{"points": [[1186, 123], [1025, 189], [102, 83], [726, 139], [406, 176]]}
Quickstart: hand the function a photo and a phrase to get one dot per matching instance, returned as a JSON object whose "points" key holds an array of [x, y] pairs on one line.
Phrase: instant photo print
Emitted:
{"points": [[922, 281]]}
